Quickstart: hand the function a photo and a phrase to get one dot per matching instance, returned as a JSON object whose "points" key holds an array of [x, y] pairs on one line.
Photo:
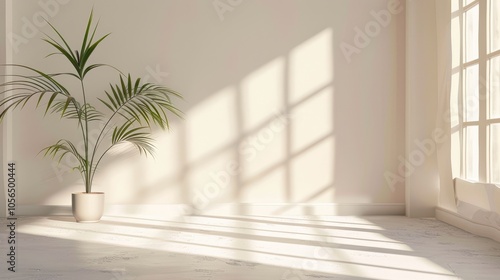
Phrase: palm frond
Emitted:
{"points": [[78, 59], [145, 103], [24, 88], [77, 112], [135, 135], [61, 149]]}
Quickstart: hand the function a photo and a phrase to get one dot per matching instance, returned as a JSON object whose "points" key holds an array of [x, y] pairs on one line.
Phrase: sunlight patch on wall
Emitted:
{"points": [[311, 65], [211, 125], [214, 180], [165, 162], [268, 188], [312, 119], [263, 155], [247, 126], [262, 94], [312, 173]]}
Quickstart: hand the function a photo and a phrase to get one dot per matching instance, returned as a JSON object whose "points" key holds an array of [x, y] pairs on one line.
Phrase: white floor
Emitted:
{"points": [[227, 248]]}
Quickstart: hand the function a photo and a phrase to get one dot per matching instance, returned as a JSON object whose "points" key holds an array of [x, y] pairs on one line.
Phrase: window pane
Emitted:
{"points": [[456, 38], [471, 28], [472, 153], [494, 87], [456, 155], [467, 2], [455, 5], [471, 93], [454, 100], [494, 25], [494, 153]]}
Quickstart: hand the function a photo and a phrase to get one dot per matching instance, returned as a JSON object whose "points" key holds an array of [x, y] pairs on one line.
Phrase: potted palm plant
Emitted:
{"points": [[129, 109]]}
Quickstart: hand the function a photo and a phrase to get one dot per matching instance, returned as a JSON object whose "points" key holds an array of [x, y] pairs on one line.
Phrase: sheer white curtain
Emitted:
{"points": [[446, 114]]}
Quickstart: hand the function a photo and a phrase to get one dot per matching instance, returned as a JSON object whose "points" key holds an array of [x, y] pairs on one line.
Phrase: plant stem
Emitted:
{"points": [[96, 145], [98, 141], [88, 167]]}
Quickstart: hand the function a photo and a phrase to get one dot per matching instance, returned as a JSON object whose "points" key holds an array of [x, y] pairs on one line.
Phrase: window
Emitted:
{"points": [[475, 91]]}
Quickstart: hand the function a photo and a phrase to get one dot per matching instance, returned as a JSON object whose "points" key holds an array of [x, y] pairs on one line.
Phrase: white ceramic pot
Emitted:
{"points": [[87, 207]]}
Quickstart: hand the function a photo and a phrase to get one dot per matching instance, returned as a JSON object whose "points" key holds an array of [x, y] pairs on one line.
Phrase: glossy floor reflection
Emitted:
{"points": [[248, 247]]}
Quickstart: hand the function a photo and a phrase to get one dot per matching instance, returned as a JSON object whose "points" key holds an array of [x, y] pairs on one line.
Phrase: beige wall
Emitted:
{"points": [[422, 134], [2, 72], [342, 94]]}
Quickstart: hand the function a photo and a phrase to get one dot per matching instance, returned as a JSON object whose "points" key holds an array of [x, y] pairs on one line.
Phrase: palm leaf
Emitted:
{"points": [[62, 148], [135, 135], [77, 59], [147, 103], [25, 87]]}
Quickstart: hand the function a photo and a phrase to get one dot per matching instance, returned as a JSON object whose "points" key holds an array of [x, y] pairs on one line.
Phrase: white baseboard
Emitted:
{"points": [[312, 209], [278, 209], [456, 220]]}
